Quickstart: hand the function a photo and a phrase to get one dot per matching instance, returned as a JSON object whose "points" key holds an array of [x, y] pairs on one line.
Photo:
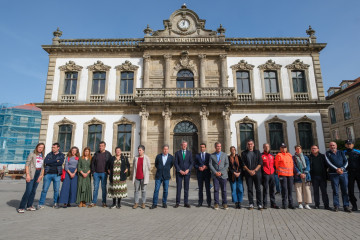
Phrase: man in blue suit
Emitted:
{"points": [[203, 174], [163, 163], [183, 164]]}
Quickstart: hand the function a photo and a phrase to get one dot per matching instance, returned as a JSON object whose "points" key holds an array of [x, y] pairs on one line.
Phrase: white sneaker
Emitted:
{"points": [[300, 206], [40, 207], [251, 206], [31, 209], [307, 206]]}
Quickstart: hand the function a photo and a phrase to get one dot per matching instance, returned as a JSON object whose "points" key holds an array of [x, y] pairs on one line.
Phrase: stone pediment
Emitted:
{"points": [[183, 23]]}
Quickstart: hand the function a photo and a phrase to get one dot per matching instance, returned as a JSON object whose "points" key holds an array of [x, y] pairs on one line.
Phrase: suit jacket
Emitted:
{"points": [[146, 168], [221, 167], [163, 171], [185, 164], [199, 163]]}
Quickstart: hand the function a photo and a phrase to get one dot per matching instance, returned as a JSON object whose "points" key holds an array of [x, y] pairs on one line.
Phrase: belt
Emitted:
{"points": [[38, 169]]}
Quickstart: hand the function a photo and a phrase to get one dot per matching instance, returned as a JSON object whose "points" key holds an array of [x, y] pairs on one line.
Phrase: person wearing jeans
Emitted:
{"points": [[236, 184], [163, 163], [33, 169], [98, 169], [52, 170]]}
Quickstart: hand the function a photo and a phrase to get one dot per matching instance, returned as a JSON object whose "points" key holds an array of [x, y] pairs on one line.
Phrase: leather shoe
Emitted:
{"points": [[164, 205], [347, 209], [328, 208], [291, 207], [275, 207], [336, 209], [187, 205], [176, 205], [199, 205], [153, 206]]}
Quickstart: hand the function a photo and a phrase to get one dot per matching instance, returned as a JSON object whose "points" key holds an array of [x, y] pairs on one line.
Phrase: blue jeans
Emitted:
{"points": [[157, 188], [97, 178], [237, 190], [342, 179], [29, 195], [56, 185], [277, 183]]}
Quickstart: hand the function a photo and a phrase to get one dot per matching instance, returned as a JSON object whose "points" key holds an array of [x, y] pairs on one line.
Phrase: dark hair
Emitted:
{"points": [[56, 144], [142, 147], [203, 144], [35, 150], [102, 142], [314, 145], [77, 154], [232, 148], [117, 148], [217, 143], [165, 145], [250, 140], [298, 146]]}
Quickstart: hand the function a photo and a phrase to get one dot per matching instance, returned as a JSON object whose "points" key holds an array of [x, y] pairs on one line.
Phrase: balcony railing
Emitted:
{"points": [[301, 97], [244, 97], [273, 97], [156, 93], [68, 98], [97, 98], [101, 42], [268, 41], [126, 98]]}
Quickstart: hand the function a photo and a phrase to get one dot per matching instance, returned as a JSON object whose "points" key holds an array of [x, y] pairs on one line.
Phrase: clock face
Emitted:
{"points": [[184, 24]]}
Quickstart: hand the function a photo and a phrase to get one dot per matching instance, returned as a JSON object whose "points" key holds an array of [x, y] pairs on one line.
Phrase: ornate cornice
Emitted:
{"points": [[270, 65], [70, 66], [185, 63], [242, 65], [65, 121], [297, 65], [99, 66], [94, 121], [123, 120], [127, 66]]}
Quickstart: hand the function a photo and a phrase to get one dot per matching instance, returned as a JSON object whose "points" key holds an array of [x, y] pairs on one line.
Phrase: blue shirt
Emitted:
{"points": [[336, 160], [164, 158], [218, 156]]}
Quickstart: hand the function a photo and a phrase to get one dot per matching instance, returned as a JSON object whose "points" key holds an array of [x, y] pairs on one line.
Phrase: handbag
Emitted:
{"points": [[63, 175]]}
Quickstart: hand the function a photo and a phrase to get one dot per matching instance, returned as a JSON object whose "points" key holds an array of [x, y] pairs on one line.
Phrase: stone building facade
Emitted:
{"points": [[344, 113], [184, 82]]}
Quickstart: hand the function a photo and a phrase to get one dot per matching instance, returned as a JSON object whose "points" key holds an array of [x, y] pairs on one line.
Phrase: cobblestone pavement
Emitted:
{"points": [[170, 223]]}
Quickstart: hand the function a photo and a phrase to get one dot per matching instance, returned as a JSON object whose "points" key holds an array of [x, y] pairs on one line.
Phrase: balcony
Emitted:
{"points": [[244, 97], [97, 98], [185, 94], [273, 97], [68, 98], [126, 98], [301, 97]]}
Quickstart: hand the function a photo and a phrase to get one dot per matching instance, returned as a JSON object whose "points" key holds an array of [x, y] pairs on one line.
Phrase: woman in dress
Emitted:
{"points": [[117, 169], [33, 168], [84, 184], [69, 186]]}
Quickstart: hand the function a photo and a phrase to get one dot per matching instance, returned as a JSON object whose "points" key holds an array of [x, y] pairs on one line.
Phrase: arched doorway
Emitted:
{"points": [[186, 131]]}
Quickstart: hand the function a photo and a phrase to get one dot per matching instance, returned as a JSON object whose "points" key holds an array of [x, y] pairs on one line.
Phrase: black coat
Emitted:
{"points": [[163, 172], [124, 165], [198, 163], [94, 160], [323, 161], [251, 165]]}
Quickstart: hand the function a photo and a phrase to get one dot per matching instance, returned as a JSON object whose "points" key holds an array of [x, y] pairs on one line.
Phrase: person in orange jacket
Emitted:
{"points": [[285, 169]]}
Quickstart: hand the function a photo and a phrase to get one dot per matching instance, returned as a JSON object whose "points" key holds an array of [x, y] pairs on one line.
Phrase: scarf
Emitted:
{"points": [[235, 164], [300, 161]]}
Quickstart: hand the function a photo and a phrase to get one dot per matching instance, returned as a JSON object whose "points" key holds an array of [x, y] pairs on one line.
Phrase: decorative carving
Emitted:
{"points": [[70, 66], [204, 113], [65, 121], [185, 63], [202, 56], [311, 32], [57, 33], [124, 120], [167, 113], [242, 65], [94, 121], [226, 113], [146, 57], [99, 66], [144, 114], [297, 65], [148, 30], [126, 66], [221, 30], [246, 119], [167, 56], [270, 65], [222, 57]]}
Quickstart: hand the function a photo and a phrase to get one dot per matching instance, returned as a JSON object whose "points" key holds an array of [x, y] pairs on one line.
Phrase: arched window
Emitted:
{"points": [[305, 135], [185, 127], [276, 135], [64, 137], [124, 137], [94, 136], [246, 133], [185, 79]]}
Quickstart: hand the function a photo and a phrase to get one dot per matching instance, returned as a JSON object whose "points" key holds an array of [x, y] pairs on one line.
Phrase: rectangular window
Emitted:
{"points": [[305, 135], [127, 83], [299, 81], [70, 83], [246, 133], [346, 108], [124, 137], [243, 82], [271, 83], [350, 133], [64, 137], [94, 137], [332, 115], [276, 135], [98, 87]]}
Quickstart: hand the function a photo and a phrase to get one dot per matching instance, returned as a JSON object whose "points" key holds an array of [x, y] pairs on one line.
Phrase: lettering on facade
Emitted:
{"points": [[198, 40]]}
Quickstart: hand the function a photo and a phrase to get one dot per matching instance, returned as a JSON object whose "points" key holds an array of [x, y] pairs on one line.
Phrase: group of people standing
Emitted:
{"points": [[261, 170]]}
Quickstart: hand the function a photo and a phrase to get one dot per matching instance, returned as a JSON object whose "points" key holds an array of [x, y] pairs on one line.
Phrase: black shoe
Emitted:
{"points": [[239, 205], [277, 193], [153, 206], [354, 209], [187, 205], [264, 207], [328, 208], [65, 205], [118, 206], [291, 207], [112, 206], [199, 205], [336, 209], [164, 205], [68, 205], [176, 205], [209, 205], [275, 207], [316, 207], [284, 207], [347, 209]]}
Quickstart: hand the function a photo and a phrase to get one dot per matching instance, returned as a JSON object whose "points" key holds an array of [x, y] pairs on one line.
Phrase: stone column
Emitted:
{"points": [[223, 71], [167, 72], [227, 130], [202, 58], [143, 128], [167, 117], [204, 124], [146, 70]]}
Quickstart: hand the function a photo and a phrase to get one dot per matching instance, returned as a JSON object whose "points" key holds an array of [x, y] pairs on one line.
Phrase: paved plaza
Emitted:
{"points": [[170, 223]]}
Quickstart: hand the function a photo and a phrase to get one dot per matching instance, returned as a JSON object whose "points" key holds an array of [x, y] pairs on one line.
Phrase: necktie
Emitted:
{"points": [[203, 157], [184, 153]]}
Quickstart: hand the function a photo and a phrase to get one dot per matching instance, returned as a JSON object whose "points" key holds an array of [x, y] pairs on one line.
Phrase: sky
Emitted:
{"points": [[26, 25]]}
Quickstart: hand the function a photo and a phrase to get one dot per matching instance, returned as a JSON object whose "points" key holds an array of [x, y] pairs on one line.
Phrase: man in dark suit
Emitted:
{"points": [[203, 174], [163, 163], [183, 164]]}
